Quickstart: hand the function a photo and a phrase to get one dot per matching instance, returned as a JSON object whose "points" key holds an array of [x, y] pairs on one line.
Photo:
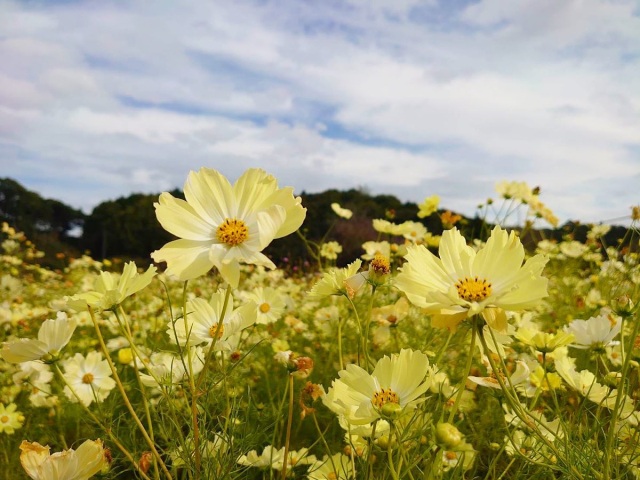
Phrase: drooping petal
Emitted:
{"points": [[186, 259], [90, 459], [269, 222], [32, 456], [56, 333], [23, 350]]}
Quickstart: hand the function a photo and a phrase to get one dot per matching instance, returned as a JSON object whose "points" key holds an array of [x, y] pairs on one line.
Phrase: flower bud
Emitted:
{"points": [[391, 411], [448, 435], [125, 356]]}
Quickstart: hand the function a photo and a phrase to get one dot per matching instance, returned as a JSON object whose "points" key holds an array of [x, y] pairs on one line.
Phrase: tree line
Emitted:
{"points": [[127, 227]]}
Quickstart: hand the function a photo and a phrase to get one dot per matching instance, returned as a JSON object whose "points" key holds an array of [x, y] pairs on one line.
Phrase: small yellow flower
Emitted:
{"points": [[428, 206], [334, 282], [341, 212], [542, 341], [330, 250], [111, 290], [10, 418]]}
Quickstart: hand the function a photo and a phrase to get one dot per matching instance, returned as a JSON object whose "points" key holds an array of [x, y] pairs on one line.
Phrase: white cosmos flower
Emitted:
{"points": [[595, 332], [585, 383], [463, 282], [337, 467], [271, 304], [167, 369], [270, 457], [203, 320], [395, 386], [222, 225], [89, 377], [52, 337]]}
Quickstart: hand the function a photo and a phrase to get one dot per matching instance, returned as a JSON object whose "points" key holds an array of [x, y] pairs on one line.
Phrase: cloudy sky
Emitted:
{"points": [[99, 99]]}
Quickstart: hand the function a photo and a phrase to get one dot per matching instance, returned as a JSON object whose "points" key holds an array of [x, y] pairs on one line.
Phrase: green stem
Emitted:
{"points": [[361, 332], [392, 468], [289, 423], [107, 430], [340, 321], [125, 398], [620, 394], [145, 404], [466, 371], [515, 404]]}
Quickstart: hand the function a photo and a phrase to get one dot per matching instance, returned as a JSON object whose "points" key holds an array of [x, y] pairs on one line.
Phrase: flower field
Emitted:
{"points": [[464, 355]]}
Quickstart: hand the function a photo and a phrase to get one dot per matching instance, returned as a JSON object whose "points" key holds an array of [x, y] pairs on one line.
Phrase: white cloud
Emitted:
{"points": [[409, 99]]}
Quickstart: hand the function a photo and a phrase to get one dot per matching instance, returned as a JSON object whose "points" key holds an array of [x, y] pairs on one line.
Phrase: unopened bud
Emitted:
{"points": [[391, 411], [125, 356], [448, 435], [145, 462]]}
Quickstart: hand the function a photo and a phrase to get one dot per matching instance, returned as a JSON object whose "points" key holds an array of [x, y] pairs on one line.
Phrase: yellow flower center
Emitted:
{"points": [[265, 307], [4, 419], [380, 264], [87, 378], [384, 396], [214, 329], [232, 232], [473, 289]]}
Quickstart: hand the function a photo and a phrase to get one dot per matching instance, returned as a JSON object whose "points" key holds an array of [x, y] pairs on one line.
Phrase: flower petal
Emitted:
{"points": [[186, 259], [180, 219]]}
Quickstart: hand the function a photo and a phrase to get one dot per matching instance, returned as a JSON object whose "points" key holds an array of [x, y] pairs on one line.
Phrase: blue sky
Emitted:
{"points": [[99, 99]]}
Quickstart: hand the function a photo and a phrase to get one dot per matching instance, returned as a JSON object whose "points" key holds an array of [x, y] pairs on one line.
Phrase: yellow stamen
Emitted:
{"points": [[233, 232], [380, 264], [4, 419], [214, 329], [473, 289], [384, 396], [265, 307], [87, 378]]}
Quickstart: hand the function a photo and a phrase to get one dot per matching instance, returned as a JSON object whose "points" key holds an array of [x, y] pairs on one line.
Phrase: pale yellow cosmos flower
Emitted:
{"points": [[396, 385], [341, 212], [52, 337], [428, 206], [110, 290], [80, 464], [222, 225], [463, 282]]}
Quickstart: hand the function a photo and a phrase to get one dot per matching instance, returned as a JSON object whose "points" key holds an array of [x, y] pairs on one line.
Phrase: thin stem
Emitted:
{"points": [[289, 423], [145, 404], [620, 394], [392, 468], [360, 331], [125, 398], [107, 430], [466, 371], [514, 403], [340, 360]]}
